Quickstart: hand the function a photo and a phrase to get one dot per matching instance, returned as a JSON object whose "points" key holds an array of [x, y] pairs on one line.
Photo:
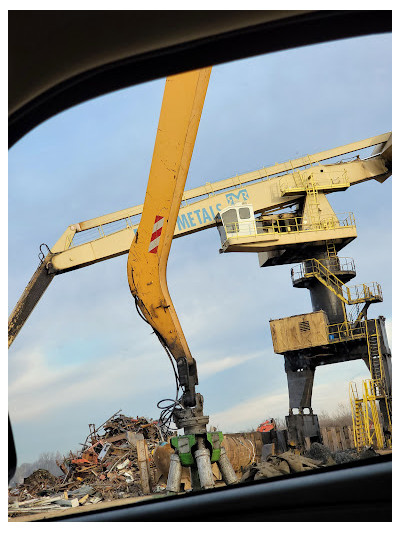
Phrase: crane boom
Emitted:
{"points": [[111, 235], [380, 141], [260, 187]]}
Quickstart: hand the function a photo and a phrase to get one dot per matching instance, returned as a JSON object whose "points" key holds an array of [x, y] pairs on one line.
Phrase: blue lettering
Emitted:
{"points": [[231, 197], [218, 207], [212, 211], [190, 217], [198, 216], [206, 216], [182, 222]]}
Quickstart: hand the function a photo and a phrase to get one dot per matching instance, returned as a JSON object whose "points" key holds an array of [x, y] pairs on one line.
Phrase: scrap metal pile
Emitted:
{"points": [[106, 468], [291, 462]]}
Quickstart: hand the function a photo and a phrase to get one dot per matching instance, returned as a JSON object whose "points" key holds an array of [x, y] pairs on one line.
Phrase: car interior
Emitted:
{"points": [[74, 56]]}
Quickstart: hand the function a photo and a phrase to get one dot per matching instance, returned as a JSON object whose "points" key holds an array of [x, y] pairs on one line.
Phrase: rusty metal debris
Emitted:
{"points": [[290, 462], [115, 462], [129, 457]]}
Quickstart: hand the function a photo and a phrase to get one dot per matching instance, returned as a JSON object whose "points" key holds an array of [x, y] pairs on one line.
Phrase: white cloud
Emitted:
{"points": [[218, 365], [39, 389], [250, 414]]}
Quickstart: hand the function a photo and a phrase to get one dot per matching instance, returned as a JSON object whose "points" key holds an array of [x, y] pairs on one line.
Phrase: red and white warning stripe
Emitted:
{"points": [[155, 236]]}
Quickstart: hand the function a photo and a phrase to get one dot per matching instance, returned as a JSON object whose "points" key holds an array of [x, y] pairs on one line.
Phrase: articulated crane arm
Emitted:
{"points": [[148, 255], [147, 264]]}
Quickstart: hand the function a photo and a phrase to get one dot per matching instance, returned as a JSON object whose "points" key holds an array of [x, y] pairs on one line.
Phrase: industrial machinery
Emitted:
{"points": [[367, 427], [282, 213], [147, 264], [338, 328], [267, 426], [123, 48]]}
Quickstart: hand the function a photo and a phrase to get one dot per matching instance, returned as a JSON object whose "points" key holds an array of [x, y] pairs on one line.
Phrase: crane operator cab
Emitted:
{"points": [[238, 228], [236, 220], [282, 233]]}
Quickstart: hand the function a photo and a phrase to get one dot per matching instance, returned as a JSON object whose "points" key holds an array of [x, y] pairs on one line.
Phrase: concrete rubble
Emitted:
{"points": [[106, 468]]}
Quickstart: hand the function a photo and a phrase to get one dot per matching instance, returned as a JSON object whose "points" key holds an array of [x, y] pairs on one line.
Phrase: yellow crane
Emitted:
{"points": [[104, 237], [260, 196]]}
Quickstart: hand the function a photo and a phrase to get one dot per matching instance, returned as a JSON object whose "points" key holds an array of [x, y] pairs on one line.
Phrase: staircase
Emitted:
{"points": [[357, 294], [375, 360], [358, 416], [372, 422]]}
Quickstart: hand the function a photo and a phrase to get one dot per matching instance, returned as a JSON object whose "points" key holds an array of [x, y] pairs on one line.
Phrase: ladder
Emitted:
{"points": [[313, 204], [330, 249], [371, 414], [375, 360], [358, 415], [378, 386], [356, 312]]}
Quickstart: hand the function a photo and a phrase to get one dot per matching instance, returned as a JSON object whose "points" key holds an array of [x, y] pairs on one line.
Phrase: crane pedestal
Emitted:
{"points": [[337, 330]]}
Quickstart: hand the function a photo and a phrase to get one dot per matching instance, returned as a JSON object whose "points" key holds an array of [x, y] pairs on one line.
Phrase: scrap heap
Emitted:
{"points": [[106, 468], [108, 461]]}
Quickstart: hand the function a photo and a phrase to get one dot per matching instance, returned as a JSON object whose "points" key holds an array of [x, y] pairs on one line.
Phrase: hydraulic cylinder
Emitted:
{"points": [[226, 469], [174, 474], [203, 461]]}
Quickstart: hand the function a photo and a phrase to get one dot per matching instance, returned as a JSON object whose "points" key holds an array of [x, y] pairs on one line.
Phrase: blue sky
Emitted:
{"points": [[84, 353]]}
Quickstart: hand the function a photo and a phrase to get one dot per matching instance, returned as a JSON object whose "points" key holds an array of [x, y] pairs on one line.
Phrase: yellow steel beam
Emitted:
{"points": [[199, 215], [241, 179], [263, 194], [148, 255]]}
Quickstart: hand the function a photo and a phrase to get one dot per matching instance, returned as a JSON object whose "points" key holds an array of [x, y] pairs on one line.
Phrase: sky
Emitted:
{"points": [[84, 353]]}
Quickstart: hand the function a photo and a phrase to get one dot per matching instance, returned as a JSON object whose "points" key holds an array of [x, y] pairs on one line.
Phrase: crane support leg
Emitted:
{"points": [[300, 384], [301, 426]]}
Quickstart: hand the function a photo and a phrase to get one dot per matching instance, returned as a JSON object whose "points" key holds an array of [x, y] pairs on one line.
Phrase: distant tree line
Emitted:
{"points": [[46, 461], [340, 417]]}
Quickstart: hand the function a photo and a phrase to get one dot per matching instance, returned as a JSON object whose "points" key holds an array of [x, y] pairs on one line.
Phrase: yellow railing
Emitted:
{"points": [[364, 292], [371, 414], [358, 417], [301, 181], [346, 331], [349, 295], [283, 226]]}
